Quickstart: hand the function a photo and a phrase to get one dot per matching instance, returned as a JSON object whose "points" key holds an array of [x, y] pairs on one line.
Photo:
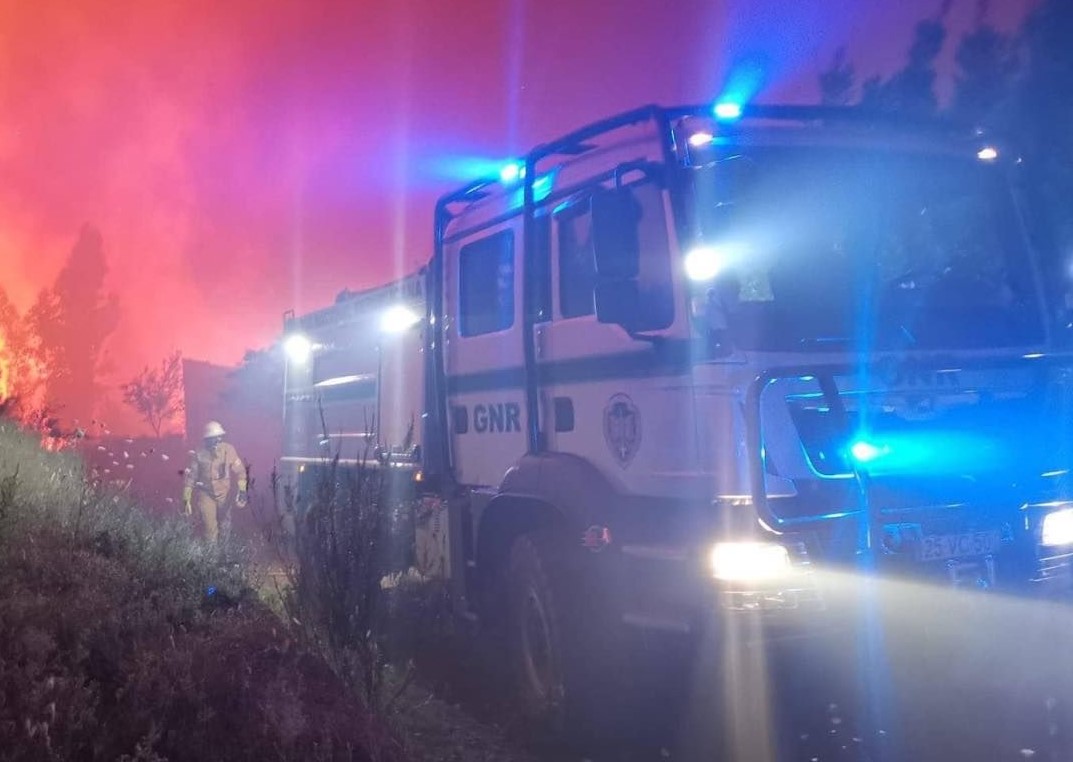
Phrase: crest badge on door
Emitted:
{"points": [[622, 428]]}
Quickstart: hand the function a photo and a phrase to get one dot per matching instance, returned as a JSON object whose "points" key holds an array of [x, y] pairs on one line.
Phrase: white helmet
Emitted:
{"points": [[213, 429]]}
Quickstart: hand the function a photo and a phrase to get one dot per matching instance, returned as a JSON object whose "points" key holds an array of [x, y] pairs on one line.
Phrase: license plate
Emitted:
{"points": [[941, 547]]}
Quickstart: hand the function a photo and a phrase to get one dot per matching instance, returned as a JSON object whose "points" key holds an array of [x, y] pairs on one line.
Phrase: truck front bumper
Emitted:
{"points": [[674, 591]]}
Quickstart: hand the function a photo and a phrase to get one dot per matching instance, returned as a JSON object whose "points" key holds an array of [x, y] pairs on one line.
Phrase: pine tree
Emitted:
{"points": [[987, 66], [911, 90], [837, 82], [72, 320], [1041, 121]]}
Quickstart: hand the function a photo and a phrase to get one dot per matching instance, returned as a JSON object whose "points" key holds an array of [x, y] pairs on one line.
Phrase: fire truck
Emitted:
{"points": [[689, 365]]}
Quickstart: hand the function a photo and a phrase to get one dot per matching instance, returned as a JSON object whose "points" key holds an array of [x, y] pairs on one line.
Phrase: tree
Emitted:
{"points": [[987, 67], [1043, 111], [157, 393], [72, 320], [837, 82], [1020, 86], [911, 90]]}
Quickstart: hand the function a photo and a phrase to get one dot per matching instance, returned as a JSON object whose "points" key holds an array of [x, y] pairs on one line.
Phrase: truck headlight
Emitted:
{"points": [[1058, 528], [749, 561]]}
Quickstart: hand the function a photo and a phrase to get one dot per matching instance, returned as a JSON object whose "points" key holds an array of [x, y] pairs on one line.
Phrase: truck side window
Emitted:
{"points": [[486, 284], [577, 261], [656, 278]]}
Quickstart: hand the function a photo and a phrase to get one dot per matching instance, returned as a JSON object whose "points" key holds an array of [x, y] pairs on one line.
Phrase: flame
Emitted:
{"points": [[33, 422], [55, 444], [5, 370]]}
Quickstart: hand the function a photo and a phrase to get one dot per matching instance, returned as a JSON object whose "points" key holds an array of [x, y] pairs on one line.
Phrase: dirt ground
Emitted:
{"points": [[937, 675]]}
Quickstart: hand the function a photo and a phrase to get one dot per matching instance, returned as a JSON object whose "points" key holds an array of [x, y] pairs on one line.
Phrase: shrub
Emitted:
{"points": [[350, 531], [126, 638]]}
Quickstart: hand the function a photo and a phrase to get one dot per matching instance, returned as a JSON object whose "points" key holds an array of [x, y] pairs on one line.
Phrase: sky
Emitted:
{"points": [[245, 157]]}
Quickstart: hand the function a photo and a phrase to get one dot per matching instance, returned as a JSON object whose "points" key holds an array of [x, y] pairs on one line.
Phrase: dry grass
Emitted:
{"points": [[122, 637]]}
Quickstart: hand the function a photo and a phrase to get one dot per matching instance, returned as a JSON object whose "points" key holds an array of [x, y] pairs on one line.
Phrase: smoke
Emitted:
{"points": [[181, 131], [247, 157]]}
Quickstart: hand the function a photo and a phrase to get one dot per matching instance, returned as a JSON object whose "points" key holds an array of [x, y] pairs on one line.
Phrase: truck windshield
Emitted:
{"points": [[820, 249]]}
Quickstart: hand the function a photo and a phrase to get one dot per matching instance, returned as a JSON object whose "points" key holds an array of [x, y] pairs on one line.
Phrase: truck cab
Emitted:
{"points": [[687, 361], [714, 351]]}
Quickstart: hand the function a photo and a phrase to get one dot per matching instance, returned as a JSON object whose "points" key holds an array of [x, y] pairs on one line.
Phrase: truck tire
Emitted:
{"points": [[535, 629]]}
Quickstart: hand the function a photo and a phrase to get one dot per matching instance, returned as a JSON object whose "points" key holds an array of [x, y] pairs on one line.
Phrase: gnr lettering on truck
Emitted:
{"points": [[490, 418]]}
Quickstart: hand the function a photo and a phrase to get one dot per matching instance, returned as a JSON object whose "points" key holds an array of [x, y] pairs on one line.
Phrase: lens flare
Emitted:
{"points": [[298, 348]]}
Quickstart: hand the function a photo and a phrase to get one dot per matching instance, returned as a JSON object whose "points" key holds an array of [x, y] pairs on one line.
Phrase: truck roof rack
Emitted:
{"points": [[582, 140], [834, 115]]}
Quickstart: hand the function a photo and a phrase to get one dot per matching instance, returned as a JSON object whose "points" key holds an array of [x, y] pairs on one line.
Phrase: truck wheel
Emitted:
{"points": [[536, 635]]}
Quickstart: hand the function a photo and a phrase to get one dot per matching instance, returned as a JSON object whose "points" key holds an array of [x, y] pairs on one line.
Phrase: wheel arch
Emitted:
{"points": [[551, 490]]}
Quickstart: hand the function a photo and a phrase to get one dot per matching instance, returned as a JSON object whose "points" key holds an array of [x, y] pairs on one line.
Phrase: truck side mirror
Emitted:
{"points": [[618, 301], [616, 244]]}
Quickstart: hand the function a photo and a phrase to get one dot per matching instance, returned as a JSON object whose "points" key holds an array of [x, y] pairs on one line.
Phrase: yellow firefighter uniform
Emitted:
{"points": [[208, 479]]}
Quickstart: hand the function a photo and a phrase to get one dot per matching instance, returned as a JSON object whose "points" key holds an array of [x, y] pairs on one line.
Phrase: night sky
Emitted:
{"points": [[244, 157]]}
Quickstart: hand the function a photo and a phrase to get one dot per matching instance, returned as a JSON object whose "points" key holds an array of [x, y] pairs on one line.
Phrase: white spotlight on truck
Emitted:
{"points": [[298, 348], [398, 318]]}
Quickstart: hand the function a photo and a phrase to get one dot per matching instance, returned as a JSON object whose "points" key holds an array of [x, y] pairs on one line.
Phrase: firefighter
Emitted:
{"points": [[209, 477]]}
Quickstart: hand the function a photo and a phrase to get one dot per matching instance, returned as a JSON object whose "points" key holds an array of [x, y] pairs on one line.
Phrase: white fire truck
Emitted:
{"points": [[676, 365]]}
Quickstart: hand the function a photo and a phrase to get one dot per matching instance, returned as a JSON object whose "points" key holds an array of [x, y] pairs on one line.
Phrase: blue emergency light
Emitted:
{"points": [[727, 111]]}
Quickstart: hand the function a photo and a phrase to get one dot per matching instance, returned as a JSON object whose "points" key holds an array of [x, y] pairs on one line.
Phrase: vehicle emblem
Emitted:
{"points": [[622, 428], [596, 538]]}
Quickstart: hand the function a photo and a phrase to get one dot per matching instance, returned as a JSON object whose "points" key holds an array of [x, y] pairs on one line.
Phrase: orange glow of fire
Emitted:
{"points": [[54, 444], [5, 370]]}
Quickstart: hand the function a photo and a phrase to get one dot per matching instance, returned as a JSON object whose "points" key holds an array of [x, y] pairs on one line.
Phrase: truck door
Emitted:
{"points": [[622, 402], [483, 350]]}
